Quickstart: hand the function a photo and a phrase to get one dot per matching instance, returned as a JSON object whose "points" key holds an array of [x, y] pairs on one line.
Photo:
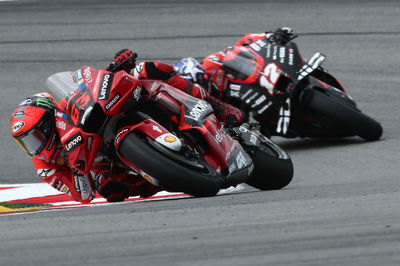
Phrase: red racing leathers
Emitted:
{"points": [[51, 167], [108, 179]]}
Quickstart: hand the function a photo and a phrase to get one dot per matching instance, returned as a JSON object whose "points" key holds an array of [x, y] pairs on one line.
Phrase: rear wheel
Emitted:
{"points": [[273, 168], [345, 117], [175, 171]]}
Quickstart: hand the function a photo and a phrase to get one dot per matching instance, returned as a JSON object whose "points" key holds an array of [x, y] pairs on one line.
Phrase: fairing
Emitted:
{"points": [[62, 84], [94, 97]]}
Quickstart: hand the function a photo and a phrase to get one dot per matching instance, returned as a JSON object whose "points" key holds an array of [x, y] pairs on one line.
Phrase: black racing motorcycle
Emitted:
{"points": [[288, 96]]}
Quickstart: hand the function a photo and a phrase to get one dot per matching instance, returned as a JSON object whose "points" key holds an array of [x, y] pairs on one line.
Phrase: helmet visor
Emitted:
{"points": [[35, 140]]}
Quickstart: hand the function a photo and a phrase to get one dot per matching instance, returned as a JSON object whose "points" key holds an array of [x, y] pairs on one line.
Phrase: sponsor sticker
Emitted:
{"points": [[87, 74], [105, 86], [291, 57], [81, 184], [198, 109], [19, 115], [17, 126], [61, 124], [170, 139], [255, 47], [74, 142], [61, 114], [274, 53], [58, 185], [43, 173], [268, 51], [25, 102], [136, 93], [261, 43], [220, 134], [64, 189], [282, 54], [265, 107], [113, 101], [76, 183], [116, 139]]}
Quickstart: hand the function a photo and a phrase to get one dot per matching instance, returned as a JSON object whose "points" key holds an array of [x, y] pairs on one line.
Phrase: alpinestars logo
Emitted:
{"points": [[75, 141], [105, 86], [43, 173]]}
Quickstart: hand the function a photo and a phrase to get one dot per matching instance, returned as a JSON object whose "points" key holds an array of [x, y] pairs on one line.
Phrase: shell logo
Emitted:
{"points": [[170, 139], [148, 178]]}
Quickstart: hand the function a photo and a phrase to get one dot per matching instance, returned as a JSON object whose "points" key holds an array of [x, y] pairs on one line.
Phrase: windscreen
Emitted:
{"points": [[62, 84], [242, 65]]}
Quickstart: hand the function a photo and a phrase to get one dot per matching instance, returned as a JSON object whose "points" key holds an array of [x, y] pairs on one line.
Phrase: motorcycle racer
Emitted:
{"points": [[34, 129], [212, 64]]}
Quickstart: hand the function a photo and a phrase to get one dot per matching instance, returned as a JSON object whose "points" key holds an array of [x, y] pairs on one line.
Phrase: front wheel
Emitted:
{"points": [[175, 171], [273, 168], [345, 117]]}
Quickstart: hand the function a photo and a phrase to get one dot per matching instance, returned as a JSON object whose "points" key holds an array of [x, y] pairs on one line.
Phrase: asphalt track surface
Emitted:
{"points": [[342, 207]]}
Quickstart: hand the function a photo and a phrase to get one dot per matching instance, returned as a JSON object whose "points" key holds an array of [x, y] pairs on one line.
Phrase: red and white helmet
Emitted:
{"points": [[32, 123]]}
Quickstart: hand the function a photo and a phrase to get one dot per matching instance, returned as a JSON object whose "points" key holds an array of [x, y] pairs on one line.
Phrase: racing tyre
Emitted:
{"points": [[273, 168], [173, 170], [344, 116]]}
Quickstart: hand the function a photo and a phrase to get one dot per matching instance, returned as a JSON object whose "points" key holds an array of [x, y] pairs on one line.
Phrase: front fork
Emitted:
{"points": [[251, 139]]}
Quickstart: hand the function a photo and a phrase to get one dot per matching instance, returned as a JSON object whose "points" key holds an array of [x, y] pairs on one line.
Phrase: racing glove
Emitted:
{"points": [[109, 189], [225, 112], [125, 60], [282, 36]]}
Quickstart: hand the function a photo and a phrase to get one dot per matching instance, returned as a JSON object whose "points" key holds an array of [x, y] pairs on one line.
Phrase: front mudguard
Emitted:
{"points": [[338, 94], [273, 168], [153, 130]]}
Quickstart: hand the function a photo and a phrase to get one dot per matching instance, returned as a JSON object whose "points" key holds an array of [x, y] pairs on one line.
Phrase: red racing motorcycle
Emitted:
{"points": [[171, 139]]}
